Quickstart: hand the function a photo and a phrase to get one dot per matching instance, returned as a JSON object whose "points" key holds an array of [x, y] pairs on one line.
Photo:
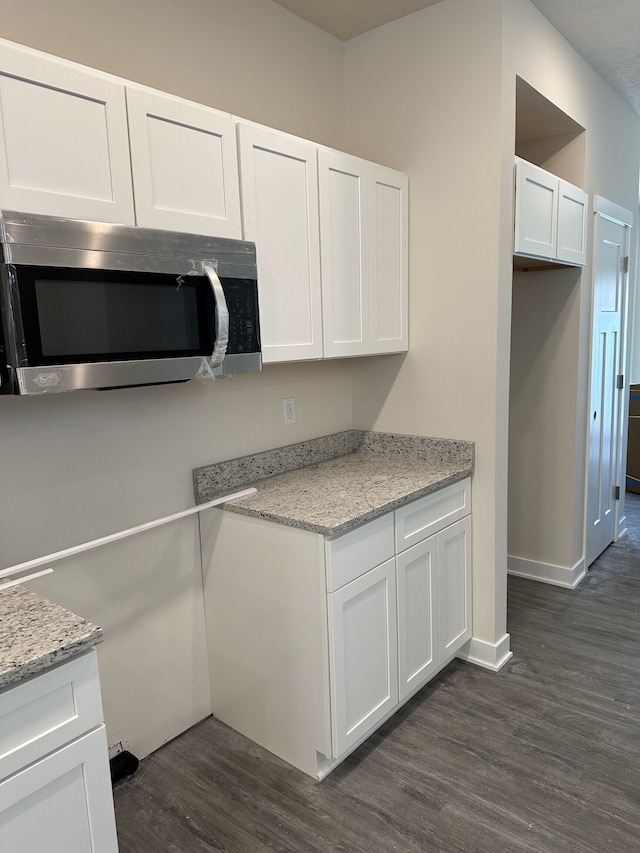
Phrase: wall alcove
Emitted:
{"points": [[545, 409]]}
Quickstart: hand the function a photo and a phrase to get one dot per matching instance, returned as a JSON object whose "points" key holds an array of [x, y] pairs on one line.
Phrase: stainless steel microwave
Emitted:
{"points": [[95, 305]]}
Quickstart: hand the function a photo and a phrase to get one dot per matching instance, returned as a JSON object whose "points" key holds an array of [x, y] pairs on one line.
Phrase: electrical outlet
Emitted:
{"points": [[289, 410], [115, 749]]}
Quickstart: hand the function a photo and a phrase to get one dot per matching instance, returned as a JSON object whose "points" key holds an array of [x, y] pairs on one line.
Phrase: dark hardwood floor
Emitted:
{"points": [[541, 757]]}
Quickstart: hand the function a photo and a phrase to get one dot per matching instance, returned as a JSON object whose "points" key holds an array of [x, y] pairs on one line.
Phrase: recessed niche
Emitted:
{"points": [[547, 136]]}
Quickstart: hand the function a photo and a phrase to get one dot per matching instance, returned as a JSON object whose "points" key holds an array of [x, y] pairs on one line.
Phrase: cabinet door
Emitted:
{"points": [[279, 179], [388, 271], [572, 224], [454, 587], [417, 615], [63, 803], [363, 652], [536, 211], [344, 241], [63, 139], [185, 165]]}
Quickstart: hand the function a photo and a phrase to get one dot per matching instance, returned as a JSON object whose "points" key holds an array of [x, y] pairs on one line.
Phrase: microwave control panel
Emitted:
{"points": [[242, 301]]}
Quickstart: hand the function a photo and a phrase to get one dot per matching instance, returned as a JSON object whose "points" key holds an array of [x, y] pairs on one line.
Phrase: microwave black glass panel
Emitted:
{"points": [[242, 301], [75, 316]]}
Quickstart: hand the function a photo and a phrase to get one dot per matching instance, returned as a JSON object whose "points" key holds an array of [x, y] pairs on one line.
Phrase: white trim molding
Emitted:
{"points": [[491, 656], [565, 576], [613, 211]]}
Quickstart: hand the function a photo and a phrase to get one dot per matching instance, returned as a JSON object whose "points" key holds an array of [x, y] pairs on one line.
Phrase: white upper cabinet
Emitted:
{"points": [[572, 224], [63, 139], [550, 216], [363, 239], [331, 237], [184, 163], [389, 264], [344, 229], [279, 185]]}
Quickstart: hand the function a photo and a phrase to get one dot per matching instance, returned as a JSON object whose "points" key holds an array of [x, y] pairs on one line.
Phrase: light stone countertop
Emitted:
{"points": [[334, 484], [36, 634]]}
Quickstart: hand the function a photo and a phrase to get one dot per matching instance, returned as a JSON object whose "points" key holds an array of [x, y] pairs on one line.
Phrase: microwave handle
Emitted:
{"points": [[222, 317]]}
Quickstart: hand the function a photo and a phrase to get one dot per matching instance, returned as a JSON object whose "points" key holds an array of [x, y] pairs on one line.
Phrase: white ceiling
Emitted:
{"points": [[605, 32]]}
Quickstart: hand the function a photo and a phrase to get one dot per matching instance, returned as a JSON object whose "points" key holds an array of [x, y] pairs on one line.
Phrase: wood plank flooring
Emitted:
{"points": [[542, 757]]}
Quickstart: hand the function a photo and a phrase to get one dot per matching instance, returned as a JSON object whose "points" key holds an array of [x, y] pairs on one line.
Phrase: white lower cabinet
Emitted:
{"points": [[313, 643], [55, 786]]}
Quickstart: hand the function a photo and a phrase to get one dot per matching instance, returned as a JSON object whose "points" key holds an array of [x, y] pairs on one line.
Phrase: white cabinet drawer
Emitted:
{"points": [[422, 518], [47, 711], [351, 555]]}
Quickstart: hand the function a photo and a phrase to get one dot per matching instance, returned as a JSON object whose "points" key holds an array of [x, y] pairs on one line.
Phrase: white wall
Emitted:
{"points": [[423, 94], [79, 466]]}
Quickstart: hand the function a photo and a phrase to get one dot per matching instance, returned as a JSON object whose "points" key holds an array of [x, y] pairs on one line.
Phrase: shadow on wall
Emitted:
{"points": [[372, 380]]}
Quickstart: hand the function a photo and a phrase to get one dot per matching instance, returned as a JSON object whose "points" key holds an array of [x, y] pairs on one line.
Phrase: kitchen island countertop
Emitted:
{"points": [[36, 634], [336, 483]]}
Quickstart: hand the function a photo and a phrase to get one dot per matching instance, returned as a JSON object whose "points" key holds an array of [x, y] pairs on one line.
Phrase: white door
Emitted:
{"points": [[363, 651], [388, 269], [344, 241], [279, 177], [185, 165], [64, 148], [417, 593], [454, 586], [536, 211], [605, 426], [62, 804]]}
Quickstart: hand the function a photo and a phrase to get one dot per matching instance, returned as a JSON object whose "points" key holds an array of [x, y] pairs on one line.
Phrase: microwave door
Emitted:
{"points": [[98, 329]]}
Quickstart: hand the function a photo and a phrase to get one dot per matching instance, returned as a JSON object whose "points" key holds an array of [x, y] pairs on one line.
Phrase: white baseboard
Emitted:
{"points": [[491, 656], [565, 576]]}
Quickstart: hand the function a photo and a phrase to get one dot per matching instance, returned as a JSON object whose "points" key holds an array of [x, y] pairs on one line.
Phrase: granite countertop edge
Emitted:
{"points": [[36, 634]]}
